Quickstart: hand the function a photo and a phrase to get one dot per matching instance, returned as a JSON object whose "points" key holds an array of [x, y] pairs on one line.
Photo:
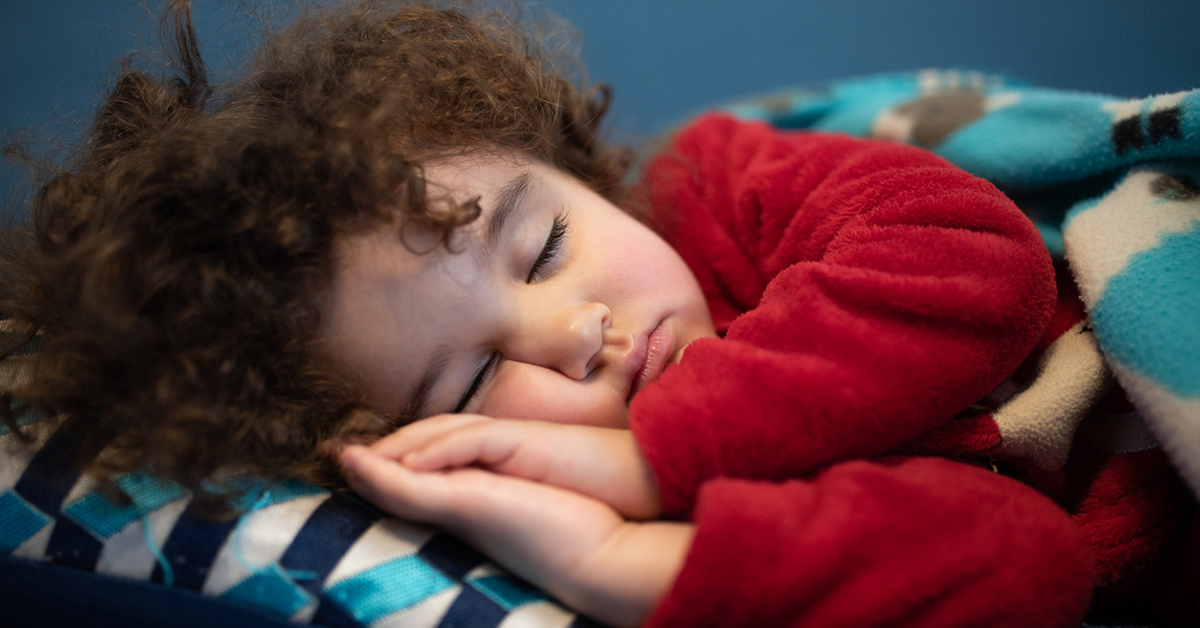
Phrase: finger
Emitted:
{"points": [[490, 444], [417, 435], [387, 484], [458, 500]]}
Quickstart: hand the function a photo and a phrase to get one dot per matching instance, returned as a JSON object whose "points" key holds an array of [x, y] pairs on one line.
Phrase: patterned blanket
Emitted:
{"points": [[1113, 185], [295, 554]]}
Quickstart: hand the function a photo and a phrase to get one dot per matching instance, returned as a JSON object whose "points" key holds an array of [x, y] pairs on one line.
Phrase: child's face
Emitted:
{"points": [[553, 305]]}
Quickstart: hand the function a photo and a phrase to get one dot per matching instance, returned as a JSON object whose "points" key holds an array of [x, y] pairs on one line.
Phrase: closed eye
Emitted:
{"points": [[481, 376], [551, 250]]}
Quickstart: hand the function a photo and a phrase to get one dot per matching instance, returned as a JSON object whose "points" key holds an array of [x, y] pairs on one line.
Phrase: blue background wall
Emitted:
{"points": [[668, 58]]}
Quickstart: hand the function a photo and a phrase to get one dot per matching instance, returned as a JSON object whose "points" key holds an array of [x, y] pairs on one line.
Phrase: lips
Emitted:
{"points": [[654, 355]]}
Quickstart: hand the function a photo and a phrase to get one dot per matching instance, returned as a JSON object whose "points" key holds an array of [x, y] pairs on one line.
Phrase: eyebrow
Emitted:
{"points": [[509, 202]]}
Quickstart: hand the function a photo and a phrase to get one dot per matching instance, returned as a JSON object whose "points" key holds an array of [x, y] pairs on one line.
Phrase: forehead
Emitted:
{"points": [[464, 176]]}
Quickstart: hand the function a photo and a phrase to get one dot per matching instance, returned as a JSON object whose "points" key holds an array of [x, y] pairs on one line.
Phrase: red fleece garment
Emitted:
{"points": [[868, 292], [898, 542]]}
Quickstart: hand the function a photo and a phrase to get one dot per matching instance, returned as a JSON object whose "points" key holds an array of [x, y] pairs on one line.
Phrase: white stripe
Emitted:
{"points": [[1167, 101], [84, 486], [1100, 240], [261, 539], [1124, 109], [1002, 100], [485, 570], [1040, 423], [34, 547], [893, 126], [928, 81], [125, 553], [424, 614], [1175, 421], [386, 540], [538, 615]]}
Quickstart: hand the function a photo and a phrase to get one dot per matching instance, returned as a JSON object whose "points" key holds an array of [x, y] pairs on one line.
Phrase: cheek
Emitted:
{"points": [[524, 391], [640, 261]]}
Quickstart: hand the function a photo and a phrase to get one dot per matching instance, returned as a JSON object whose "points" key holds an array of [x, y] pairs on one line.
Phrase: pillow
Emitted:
{"points": [[296, 553]]}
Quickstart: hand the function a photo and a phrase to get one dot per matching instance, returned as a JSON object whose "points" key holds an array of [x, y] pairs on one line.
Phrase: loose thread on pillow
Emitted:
{"points": [[240, 528], [237, 543], [152, 545]]}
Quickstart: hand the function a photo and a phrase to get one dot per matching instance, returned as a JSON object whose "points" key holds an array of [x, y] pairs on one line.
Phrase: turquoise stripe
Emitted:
{"points": [[27, 416], [1147, 316], [390, 587], [507, 591], [1044, 139], [270, 591], [104, 518], [19, 520]]}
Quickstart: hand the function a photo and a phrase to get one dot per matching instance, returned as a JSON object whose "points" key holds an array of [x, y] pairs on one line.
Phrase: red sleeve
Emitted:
{"points": [[869, 290], [901, 542]]}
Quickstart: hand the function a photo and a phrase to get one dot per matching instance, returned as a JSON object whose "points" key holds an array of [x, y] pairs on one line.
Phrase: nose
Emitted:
{"points": [[564, 338]]}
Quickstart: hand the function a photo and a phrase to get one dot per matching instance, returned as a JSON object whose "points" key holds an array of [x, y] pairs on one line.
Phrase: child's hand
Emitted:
{"points": [[577, 548], [599, 462]]}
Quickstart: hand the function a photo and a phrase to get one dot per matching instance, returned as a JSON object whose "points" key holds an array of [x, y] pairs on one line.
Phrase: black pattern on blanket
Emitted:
{"points": [[1112, 184]]}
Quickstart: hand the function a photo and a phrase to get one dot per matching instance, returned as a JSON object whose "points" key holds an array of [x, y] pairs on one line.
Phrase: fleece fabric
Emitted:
{"points": [[867, 293]]}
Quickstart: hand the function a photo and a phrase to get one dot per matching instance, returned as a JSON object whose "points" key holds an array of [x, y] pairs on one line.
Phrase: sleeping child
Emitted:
{"points": [[876, 292], [752, 389]]}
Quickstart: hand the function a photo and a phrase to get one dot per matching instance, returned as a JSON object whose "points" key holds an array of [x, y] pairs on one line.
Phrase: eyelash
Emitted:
{"points": [[477, 381], [554, 242], [550, 251]]}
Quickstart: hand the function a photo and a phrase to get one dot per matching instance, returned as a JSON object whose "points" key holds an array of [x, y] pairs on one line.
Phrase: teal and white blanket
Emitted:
{"points": [[1112, 184], [295, 554]]}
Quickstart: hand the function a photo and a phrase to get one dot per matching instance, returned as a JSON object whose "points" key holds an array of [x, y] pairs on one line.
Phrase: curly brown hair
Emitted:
{"points": [[171, 270]]}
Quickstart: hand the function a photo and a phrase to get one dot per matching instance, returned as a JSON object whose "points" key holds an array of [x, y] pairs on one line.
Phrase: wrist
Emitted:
{"points": [[643, 501], [624, 579]]}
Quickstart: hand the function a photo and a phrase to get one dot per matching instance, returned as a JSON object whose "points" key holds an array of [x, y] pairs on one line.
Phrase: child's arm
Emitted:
{"points": [[577, 548], [869, 291], [903, 542]]}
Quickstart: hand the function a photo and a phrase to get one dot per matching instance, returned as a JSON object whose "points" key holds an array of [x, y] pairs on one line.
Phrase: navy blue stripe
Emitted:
{"points": [[72, 546], [326, 536], [192, 547], [38, 595], [450, 555], [472, 609], [51, 473]]}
